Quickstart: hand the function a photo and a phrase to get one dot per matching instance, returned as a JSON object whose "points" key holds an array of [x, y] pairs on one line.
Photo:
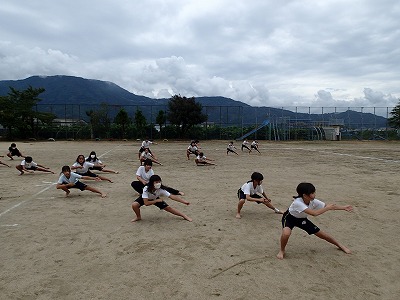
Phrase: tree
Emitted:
{"points": [[161, 119], [185, 113], [17, 112], [140, 123], [123, 120], [394, 120], [100, 123]]}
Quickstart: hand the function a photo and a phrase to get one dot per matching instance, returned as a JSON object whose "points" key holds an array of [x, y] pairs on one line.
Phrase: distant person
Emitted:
{"points": [[231, 148], [81, 167], [192, 149], [143, 175], [245, 144], [70, 180], [28, 165], [254, 145], [13, 151], [305, 204], [146, 144], [152, 194], [253, 191], [147, 155], [98, 164], [202, 160]]}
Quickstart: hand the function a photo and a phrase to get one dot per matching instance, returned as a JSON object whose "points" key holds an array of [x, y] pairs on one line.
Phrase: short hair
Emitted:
{"points": [[148, 162], [65, 169], [28, 159], [305, 188], [13, 145], [257, 176]]}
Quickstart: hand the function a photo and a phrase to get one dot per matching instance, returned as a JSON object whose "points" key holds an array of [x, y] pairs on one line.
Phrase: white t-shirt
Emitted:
{"points": [[201, 158], [231, 147], [146, 144], [73, 178], [141, 171], [146, 155], [298, 206], [28, 165], [86, 165], [152, 196], [248, 188], [192, 148], [96, 161]]}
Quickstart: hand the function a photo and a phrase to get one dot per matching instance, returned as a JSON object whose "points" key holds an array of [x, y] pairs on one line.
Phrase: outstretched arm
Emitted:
{"points": [[178, 199]]}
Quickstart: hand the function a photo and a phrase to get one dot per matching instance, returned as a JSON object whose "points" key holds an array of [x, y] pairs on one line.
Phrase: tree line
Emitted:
{"points": [[21, 120]]}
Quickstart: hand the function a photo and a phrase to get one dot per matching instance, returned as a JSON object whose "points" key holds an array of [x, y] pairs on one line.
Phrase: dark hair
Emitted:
{"points": [[28, 159], [92, 159], [77, 159], [150, 184], [201, 154], [304, 188], [65, 169], [257, 176], [13, 145], [148, 162]]}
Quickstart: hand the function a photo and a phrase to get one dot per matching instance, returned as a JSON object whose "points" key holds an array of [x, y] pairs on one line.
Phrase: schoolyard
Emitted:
{"points": [[85, 247]]}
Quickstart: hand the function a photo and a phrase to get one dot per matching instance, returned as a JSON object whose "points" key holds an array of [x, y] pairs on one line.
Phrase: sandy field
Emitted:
{"points": [[85, 246]]}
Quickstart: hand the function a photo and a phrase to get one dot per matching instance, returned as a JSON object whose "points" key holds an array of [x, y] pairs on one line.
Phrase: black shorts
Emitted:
{"points": [[241, 195], [98, 168], [229, 150], [79, 185], [303, 223], [32, 168], [160, 205], [88, 173]]}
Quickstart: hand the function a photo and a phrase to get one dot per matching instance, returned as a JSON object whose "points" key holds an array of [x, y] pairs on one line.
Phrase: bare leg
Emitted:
{"points": [[286, 232], [20, 168], [177, 213], [240, 206], [277, 211], [105, 178], [136, 209], [330, 239], [94, 190], [65, 189], [44, 170], [109, 171]]}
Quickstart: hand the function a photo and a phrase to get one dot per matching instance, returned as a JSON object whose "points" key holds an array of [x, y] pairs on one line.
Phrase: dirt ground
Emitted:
{"points": [[85, 246]]}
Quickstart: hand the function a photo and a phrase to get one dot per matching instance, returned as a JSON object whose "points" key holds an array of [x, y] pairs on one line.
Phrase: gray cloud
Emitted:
{"points": [[264, 53]]}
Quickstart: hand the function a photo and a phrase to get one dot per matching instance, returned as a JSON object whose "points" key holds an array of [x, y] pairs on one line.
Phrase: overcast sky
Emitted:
{"points": [[261, 52]]}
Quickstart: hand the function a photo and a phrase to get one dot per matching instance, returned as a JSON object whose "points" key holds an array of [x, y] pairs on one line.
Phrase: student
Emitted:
{"points": [[70, 180], [245, 144], [81, 167], [151, 196], [231, 148], [192, 149], [202, 160], [146, 144], [146, 154], [252, 190], [28, 165], [254, 145], [98, 164], [303, 205], [143, 175], [13, 151]]}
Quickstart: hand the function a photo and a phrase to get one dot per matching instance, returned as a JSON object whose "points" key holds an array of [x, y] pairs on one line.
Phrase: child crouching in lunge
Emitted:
{"points": [[253, 191], [303, 205], [69, 180], [151, 196]]}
